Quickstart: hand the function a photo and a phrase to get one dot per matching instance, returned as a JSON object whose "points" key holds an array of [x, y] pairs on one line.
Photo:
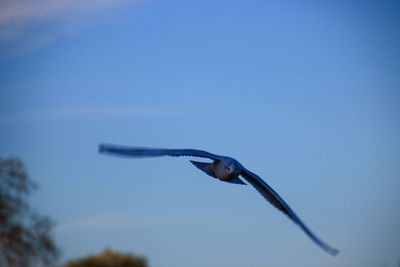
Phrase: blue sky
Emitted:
{"points": [[305, 94]]}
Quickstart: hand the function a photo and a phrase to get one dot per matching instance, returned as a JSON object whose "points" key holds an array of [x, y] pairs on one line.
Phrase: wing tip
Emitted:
{"points": [[104, 148], [101, 148], [330, 250], [333, 251]]}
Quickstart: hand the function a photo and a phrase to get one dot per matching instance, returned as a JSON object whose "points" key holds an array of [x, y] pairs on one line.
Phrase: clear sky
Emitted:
{"points": [[304, 93]]}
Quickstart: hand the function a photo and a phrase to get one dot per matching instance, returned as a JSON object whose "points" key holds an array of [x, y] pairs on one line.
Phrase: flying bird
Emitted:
{"points": [[226, 169]]}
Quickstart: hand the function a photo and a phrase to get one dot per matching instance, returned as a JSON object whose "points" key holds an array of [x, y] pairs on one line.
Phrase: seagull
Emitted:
{"points": [[225, 169]]}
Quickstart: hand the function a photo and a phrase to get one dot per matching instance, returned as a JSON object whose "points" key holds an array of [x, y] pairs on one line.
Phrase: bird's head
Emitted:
{"points": [[232, 169]]}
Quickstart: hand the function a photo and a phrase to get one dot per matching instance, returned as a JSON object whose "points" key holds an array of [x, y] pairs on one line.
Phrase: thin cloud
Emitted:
{"points": [[39, 22], [90, 113], [106, 222]]}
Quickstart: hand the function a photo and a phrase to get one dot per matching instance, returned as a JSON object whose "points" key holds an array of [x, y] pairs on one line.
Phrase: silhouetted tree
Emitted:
{"points": [[109, 258], [25, 238]]}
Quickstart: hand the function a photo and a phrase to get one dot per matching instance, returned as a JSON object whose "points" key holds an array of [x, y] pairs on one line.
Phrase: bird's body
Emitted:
{"points": [[226, 169]]}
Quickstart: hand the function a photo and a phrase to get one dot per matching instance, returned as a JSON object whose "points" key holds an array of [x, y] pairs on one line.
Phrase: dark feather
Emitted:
{"points": [[269, 194], [205, 167], [154, 152]]}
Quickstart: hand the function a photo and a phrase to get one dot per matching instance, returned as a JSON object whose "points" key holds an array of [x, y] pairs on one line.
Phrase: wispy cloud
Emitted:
{"points": [[29, 24], [90, 113], [103, 222]]}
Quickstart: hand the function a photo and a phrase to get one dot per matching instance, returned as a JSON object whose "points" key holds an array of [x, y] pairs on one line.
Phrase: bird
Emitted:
{"points": [[225, 169]]}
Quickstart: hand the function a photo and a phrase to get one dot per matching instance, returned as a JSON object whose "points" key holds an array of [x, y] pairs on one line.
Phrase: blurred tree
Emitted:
{"points": [[109, 258], [24, 235]]}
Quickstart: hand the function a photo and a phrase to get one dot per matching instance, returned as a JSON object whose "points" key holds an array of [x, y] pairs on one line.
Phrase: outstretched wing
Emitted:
{"points": [[268, 193], [154, 152]]}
